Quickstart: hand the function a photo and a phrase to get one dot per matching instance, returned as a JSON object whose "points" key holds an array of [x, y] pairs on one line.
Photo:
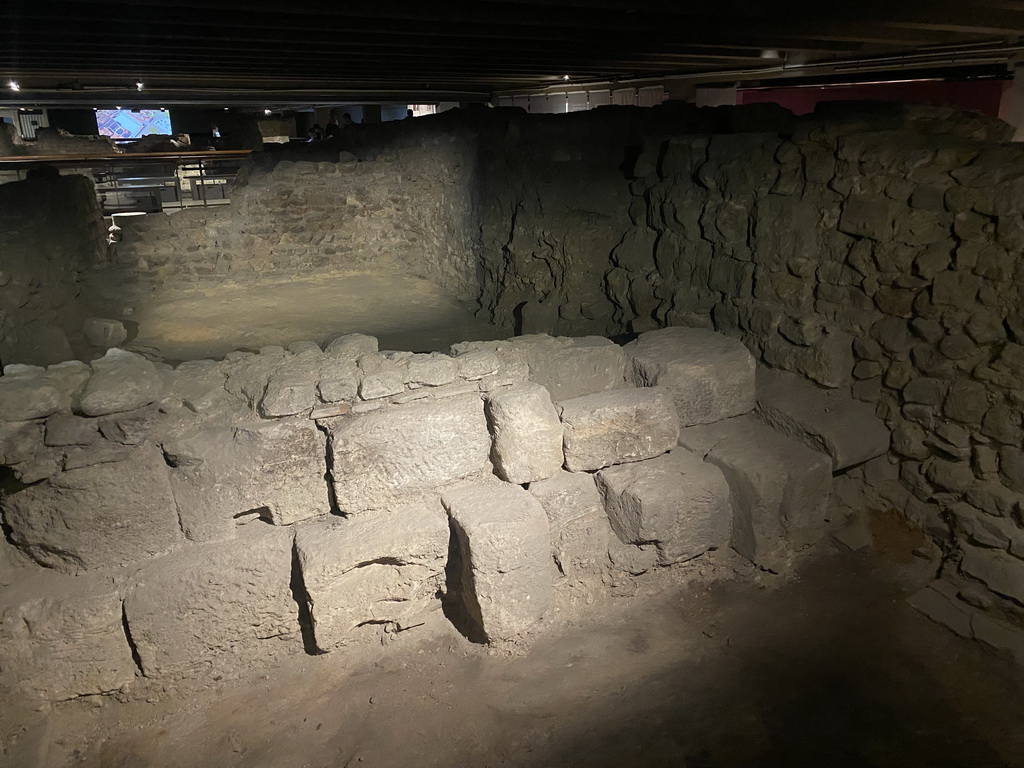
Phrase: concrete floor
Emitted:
{"points": [[406, 313], [706, 666]]}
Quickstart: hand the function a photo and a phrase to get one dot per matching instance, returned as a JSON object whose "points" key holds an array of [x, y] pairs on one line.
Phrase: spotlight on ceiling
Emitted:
{"points": [[139, 85], [266, 111], [565, 77], [225, 109], [770, 53], [13, 85]]}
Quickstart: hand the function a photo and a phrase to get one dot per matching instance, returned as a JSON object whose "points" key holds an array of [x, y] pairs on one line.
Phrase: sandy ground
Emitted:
{"points": [[711, 664], [407, 313]]}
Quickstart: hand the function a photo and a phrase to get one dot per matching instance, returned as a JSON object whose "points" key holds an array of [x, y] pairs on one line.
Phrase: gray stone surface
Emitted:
{"points": [[352, 346], [527, 433], [617, 426], [19, 441], [677, 502], [388, 455], [381, 568], [62, 637], [104, 332], [506, 556], [24, 397], [779, 487], [65, 429], [573, 367], [121, 382], [578, 523], [1002, 573], [339, 380], [710, 376], [224, 476], [287, 394], [98, 516], [825, 420], [214, 608], [432, 370]]}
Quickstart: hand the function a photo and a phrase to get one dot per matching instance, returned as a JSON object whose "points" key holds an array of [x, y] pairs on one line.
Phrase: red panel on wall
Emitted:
{"points": [[976, 95]]}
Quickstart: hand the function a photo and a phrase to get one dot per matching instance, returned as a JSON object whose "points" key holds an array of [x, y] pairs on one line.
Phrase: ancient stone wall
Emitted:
{"points": [[408, 212], [167, 524], [875, 252], [50, 234]]}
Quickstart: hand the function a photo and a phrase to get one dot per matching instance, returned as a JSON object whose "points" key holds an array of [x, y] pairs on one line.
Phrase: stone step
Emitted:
{"points": [[826, 420], [779, 487]]}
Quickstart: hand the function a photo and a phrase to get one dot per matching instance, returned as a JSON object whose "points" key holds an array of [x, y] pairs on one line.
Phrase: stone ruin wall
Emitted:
{"points": [[875, 257], [168, 524], [873, 254], [406, 210], [50, 235]]}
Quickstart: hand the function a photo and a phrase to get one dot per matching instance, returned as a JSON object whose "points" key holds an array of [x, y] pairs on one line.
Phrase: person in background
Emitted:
{"points": [[333, 128], [316, 133]]}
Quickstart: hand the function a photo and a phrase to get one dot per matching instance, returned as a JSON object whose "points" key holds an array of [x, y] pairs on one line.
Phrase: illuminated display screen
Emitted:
{"points": [[131, 124]]}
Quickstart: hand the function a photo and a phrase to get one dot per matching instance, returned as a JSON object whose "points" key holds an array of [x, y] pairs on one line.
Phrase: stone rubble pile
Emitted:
{"points": [[183, 521]]}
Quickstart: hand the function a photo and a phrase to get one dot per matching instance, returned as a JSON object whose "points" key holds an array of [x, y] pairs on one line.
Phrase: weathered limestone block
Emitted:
{"points": [[211, 608], [352, 346], [98, 516], [339, 380], [65, 429], [381, 568], [676, 502], [225, 476], [825, 420], [527, 434], [779, 487], [288, 393], [25, 396], [381, 377], [62, 637], [476, 364], [104, 332], [709, 376], [1003, 573], [566, 367], [199, 385], [577, 521], [383, 457], [434, 370], [506, 556], [617, 426], [121, 381], [19, 441]]}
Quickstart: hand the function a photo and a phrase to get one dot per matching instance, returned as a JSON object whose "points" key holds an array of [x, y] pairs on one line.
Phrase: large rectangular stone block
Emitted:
{"points": [[710, 376], [578, 524], [619, 426], [385, 567], [390, 455], [225, 475], [212, 608], [826, 420], [62, 637], [506, 556], [98, 516], [779, 487], [676, 502], [527, 433]]}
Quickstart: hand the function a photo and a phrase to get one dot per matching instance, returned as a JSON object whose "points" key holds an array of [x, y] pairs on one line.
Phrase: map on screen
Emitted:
{"points": [[131, 124]]}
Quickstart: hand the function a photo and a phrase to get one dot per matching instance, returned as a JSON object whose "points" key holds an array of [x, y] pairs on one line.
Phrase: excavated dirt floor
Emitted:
{"points": [[708, 664], [406, 313]]}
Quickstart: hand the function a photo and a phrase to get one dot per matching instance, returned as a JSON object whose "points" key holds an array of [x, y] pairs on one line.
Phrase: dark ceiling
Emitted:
{"points": [[206, 49]]}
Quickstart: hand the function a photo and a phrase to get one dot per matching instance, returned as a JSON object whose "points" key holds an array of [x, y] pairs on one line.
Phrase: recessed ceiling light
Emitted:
{"points": [[225, 109], [139, 85], [266, 111], [565, 77], [13, 85]]}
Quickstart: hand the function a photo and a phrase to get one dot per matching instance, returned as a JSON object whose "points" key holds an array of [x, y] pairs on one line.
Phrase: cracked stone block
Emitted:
{"points": [[19, 441], [224, 476], [1002, 573], [432, 370], [352, 346], [288, 394], [63, 637], [676, 502], [527, 433], [339, 380], [573, 367], [104, 332], [617, 426], [825, 420], [25, 396], [121, 381], [382, 568], [65, 429], [389, 455], [578, 524], [709, 376], [99, 516], [212, 608], [779, 487], [503, 538]]}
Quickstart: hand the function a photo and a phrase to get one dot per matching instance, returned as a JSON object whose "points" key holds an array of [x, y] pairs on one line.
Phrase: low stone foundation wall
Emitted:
{"points": [[183, 522]]}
